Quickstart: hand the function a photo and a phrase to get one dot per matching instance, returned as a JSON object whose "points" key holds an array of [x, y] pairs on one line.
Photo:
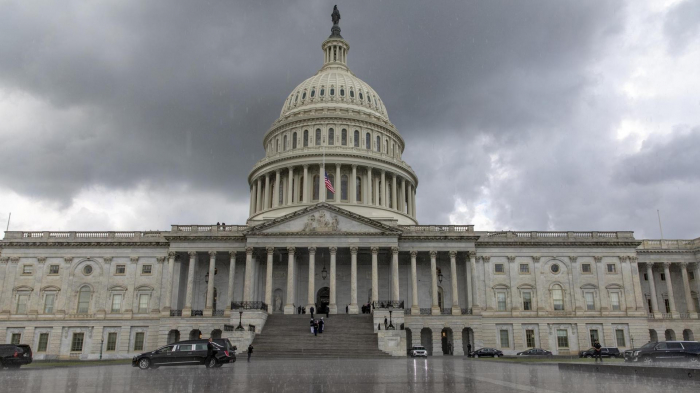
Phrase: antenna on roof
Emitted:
{"points": [[660, 228]]}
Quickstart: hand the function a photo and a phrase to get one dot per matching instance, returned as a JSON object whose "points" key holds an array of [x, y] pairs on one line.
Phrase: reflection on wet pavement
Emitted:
{"points": [[344, 375]]}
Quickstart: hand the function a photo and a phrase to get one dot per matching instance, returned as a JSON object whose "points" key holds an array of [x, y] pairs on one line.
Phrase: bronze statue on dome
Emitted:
{"points": [[335, 16]]}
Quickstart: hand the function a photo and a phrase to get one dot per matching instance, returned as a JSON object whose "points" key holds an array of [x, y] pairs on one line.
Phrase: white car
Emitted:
{"points": [[418, 350]]}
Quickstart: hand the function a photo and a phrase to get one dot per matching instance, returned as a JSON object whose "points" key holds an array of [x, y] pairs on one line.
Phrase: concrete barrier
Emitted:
{"points": [[688, 374]]}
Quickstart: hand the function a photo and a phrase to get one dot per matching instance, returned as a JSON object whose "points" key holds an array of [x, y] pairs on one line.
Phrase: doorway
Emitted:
{"points": [[446, 336], [323, 298]]}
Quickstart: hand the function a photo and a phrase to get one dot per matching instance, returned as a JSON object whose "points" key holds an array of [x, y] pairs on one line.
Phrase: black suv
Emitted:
{"points": [[14, 356], [187, 353], [668, 351], [605, 352], [486, 352]]}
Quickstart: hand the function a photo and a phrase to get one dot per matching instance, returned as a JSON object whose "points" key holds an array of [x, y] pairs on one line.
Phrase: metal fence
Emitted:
{"points": [[255, 305]]}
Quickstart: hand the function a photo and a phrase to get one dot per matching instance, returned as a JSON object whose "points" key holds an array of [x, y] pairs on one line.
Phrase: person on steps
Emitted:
{"points": [[311, 310], [250, 351], [298, 309], [312, 326], [321, 325], [315, 328], [346, 309]]}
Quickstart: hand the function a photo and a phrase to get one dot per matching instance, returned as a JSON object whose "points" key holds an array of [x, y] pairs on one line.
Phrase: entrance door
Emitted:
{"points": [[323, 297]]}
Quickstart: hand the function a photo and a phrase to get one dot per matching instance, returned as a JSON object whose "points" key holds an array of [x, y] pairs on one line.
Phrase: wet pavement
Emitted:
{"points": [[344, 375]]}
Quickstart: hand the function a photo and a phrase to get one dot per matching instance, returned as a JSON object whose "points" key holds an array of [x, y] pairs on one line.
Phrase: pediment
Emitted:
{"points": [[322, 219]]}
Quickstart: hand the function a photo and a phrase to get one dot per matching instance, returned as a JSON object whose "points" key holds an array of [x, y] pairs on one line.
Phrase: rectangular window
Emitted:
{"points": [[524, 268], [590, 302], [527, 301], [43, 342], [76, 344], [646, 277], [84, 301], [53, 270], [691, 275], [331, 137], [586, 267], [146, 269], [49, 302], [663, 276], [668, 306], [344, 137], [612, 268], [530, 338], [111, 341], [615, 301], [117, 302], [562, 338], [120, 270], [501, 301], [27, 269], [498, 268], [594, 336], [620, 336], [22, 301], [505, 339], [16, 338], [143, 303], [558, 299], [138, 341]]}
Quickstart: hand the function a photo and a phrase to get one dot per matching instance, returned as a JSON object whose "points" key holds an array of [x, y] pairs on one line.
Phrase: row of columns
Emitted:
{"points": [[690, 304]]}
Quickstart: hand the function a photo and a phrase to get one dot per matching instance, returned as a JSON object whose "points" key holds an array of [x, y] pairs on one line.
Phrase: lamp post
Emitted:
{"points": [[239, 328], [102, 344], [391, 324]]}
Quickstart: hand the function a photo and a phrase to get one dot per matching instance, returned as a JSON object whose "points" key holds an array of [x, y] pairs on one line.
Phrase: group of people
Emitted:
{"points": [[367, 308], [302, 310], [317, 326]]}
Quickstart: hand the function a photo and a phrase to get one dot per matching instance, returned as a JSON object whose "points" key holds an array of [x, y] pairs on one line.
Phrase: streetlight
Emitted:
{"points": [[102, 344], [324, 272], [239, 328], [439, 275], [391, 325]]}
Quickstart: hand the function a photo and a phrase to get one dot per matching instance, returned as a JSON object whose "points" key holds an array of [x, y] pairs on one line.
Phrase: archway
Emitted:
{"points": [[173, 336], [426, 340], [653, 337], [688, 335], [409, 339], [670, 335], [216, 333], [323, 297], [195, 334], [467, 340], [446, 337]]}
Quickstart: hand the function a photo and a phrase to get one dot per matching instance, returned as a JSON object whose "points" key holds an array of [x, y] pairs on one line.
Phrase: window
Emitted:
{"points": [[498, 268], [646, 277], [691, 275], [344, 187], [501, 296], [620, 337], [27, 269], [562, 338], [358, 189], [332, 91], [344, 137], [294, 138], [315, 188], [43, 342], [84, 300], [590, 301], [49, 301], [524, 268], [668, 306], [331, 136], [554, 268], [188, 347], [313, 93], [143, 303], [505, 340], [649, 306], [611, 268], [379, 144], [22, 300], [369, 99], [53, 270], [121, 270], [112, 341], [146, 269], [117, 302], [306, 138], [329, 194], [352, 93], [342, 92], [356, 139], [615, 301], [296, 98], [76, 344], [318, 137], [368, 144], [303, 95], [16, 338], [530, 338], [527, 301], [323, 92], [386, 146], [663, 276], [361, 98], [558, 298], [87, 270], [586, 268], [138, 341], [285, 146], [594, 336]]}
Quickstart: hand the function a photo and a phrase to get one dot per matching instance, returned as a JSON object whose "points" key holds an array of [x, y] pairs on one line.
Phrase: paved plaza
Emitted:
{"points": [[344, 375]]}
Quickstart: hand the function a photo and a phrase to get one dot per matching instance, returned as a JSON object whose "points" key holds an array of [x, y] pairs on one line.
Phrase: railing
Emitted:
{"points": [[674, 244], [80, 316], [197, 313], [175, 313], [437, 228], [255, 305], [104, 235], [425, 311], [208, 228], [388, 304], [446, 311], [666, 316], [684, 315], [407, 311], [650, 315], [561, 235], [218, 313], [466, 311]]}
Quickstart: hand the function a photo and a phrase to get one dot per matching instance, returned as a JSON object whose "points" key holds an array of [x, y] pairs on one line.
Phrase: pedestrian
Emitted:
{"points": [[210, 350], [328, 310], [346, 309], [385, 323], [321, 325], [250, 351], [311, 310], [303, 310], [298, 309], [469, 349], [379, 326], [597, 353], [312, 326], [315, 328]]}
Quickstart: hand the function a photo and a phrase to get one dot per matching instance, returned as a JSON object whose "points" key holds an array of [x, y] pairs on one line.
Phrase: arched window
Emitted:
{"points": [[332, 91], [379, 144], [280, 194], [344, 187], [277, 147], [84, 295], [303, 96], [285, 143], [375, 102], [358, 189], [368, 143], [294, 140], [296, 98], [342, 92], [361, 96], [386, 146], [329, 194], [356, 139], [557, 297], [344, 137], [313, 93], [369, 99], [323, 92], [331, 136], [352, 93], [315, 190], [318, 137], [306, 138]]}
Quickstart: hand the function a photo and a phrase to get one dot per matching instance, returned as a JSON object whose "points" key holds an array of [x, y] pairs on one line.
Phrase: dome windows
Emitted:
{"points": [[331, 137], [303, 96], [318, 137], [306, 138], [344, 137], [356, 139], [379, 144], [368, 141], [323, 92], [361, 96], [313, 93], [342, 92], [294, 141], [369, 99], [332, 91], [352, 93], [296, 98]]}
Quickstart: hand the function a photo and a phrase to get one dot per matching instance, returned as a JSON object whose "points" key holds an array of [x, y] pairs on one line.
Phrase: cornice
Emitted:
{"points": [[86, 244], [485, 244], [207, 238], [665, 251], [404, 237]]}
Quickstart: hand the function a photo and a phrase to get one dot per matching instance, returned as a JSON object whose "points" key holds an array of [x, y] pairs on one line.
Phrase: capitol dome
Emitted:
{"points": [[333, 126]]}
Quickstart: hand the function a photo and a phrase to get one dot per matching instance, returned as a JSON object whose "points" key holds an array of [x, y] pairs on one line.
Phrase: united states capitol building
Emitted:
{"points": [[113, 294]]}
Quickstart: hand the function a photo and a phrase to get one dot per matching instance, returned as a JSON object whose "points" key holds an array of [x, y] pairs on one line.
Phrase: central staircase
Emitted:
{"points": [[344, 336]]}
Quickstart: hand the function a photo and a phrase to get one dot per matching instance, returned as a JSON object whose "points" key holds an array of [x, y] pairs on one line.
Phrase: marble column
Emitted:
{"points": [[352, 308], [395, 274], [487, 278], [409, 201], [401, 196], [34, 298], [600, 274], [697, 280], [382, 190], [276, 191], [208, 309], [435, 306], [690, 306], [311, 298], [252, 200], [231, 280], [370, 186], [652, 289], [305, 193], [415, 307], [375, 275], [322, 183], [258, 198], [268, 276], [266, 199], [413, 200], [456, 310], [394, 199], [248, 276], [167, 296], [337, 184], [190, 284], [474, 276], [467, 282], [636, 281], [290, 307], [353, 197], [669, 289], [290, 185], [333, 306]]}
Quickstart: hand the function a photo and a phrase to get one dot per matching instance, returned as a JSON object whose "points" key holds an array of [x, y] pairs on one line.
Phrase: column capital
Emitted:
{"points": [[353, 250], [472, 254], [107, 260], [333, 250], [598, 259], [667, 265], [4, 259], [270, 250], [171, 254], [14, 260], [684, 265], [453, 254], [633, 259], [232, 254], [291, 250], [414, 254], [624, 259], [394, 250], [277, 171], [433, 254], [192, 254], [573, 258], [306, 166], [536, 258], [312, 250], [41, 260], [134, 259], [487, 258], [511, 258], [267, 174], [249, 250], [68, 260], [383, 172], [354, 166], [212, 254], [375, 250], [160, 260]]}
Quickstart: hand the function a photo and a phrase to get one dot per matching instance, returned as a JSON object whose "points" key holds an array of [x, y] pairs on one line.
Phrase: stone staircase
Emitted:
{"points": [[345, 336]]}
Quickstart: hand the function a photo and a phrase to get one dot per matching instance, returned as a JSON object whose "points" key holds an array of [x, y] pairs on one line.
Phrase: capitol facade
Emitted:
{"points": [[109, 294]]}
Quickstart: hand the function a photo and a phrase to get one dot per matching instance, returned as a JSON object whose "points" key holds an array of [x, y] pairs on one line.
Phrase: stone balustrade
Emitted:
{"points": [[654, 244]]}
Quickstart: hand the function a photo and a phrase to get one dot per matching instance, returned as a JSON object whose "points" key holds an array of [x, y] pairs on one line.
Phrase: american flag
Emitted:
{"points": [[329, 185]]}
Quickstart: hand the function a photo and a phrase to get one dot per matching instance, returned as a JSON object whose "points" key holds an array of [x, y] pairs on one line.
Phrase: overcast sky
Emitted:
{"points": [[520, 115]]}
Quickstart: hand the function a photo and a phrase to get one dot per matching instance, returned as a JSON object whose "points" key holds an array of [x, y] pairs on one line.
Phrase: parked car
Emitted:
{"points": [[417, 350], [15, 356], [668, 351], [605, 352], [486, 352], [187, 353], [535, 352]]}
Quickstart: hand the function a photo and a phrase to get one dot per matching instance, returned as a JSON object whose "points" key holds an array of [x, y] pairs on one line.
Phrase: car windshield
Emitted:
{"points": [[419, 348], [649, 345]]}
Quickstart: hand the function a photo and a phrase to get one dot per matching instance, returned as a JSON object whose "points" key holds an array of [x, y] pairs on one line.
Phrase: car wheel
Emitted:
{"points": [[217, 365], [144, 364], [498, 356], [589, 356], [476, 356], [211, 363], [647, 359]]}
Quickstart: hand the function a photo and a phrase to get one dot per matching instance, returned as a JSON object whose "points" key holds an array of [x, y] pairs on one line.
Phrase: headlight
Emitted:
{"points": [[636, 353]]}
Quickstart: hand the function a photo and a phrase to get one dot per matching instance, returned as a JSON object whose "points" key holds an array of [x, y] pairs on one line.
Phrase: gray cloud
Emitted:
{"points": [[682, 25]]}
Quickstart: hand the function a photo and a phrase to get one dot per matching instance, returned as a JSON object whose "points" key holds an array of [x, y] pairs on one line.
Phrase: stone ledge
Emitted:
{"points": [[692, 374]]}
